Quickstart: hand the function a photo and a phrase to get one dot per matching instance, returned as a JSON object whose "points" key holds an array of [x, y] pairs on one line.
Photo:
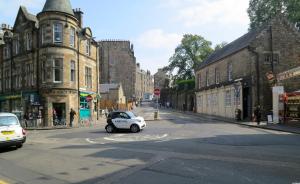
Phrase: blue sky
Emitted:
{"points": [[155, 27]]}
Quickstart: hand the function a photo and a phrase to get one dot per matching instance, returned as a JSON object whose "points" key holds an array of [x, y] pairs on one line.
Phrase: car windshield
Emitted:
{"points": [[8, 121], [131, 114]]}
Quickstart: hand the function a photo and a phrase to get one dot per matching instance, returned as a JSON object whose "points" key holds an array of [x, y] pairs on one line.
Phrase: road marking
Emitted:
{"points": [[89, 141], [124, 138], [3, 182]]}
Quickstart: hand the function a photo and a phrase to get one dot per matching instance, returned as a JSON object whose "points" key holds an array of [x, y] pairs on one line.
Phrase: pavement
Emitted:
{"points": [[290, 128]]}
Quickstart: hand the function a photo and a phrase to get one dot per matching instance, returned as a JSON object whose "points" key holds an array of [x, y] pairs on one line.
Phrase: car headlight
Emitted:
{"points": [[139, 121]]}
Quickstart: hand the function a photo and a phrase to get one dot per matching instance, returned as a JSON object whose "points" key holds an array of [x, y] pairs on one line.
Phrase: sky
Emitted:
{"points": [[154, 27]]}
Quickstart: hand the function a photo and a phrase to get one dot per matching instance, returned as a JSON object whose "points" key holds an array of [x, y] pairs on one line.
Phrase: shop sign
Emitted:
{"points": [[289, 74]]}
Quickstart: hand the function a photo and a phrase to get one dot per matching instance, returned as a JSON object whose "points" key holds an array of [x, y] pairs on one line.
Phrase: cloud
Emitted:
{"points": [[154, 47], [194, 13], [158, 39]]}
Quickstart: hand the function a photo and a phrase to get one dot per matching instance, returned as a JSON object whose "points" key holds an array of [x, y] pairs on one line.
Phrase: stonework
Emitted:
{"points": [[118, 65], [51, 52], [237, 80], [161, 79], [144, 84]]}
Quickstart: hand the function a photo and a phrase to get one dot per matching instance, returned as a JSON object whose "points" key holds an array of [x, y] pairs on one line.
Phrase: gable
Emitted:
{"points": [[23, 18]]}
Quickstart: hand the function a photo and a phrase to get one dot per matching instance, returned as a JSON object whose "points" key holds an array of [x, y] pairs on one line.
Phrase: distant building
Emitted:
{"points": [[118, 65], [48, 65], [161, 79], [144, 84], [239, 76], [112, 95]]}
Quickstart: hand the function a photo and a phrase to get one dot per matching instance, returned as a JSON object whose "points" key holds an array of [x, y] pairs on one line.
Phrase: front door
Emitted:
{"points": [[246, 103]]}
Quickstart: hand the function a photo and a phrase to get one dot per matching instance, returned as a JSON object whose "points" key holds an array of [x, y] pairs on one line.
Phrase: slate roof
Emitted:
{"points": [[235, 46], [58, 6], [28, 15]]}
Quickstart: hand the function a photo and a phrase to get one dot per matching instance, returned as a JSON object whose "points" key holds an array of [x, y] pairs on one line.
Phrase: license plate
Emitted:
{"points": [[8, 132]]}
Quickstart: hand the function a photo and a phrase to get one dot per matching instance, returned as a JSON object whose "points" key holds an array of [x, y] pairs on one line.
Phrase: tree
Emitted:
{"points": [[262, 11], [188, 55], [220, 46]]}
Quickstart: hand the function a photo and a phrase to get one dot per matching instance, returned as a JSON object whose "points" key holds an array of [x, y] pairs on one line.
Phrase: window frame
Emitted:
{"points": [[217, 76], [72, 36], [57, 68], [88, 77], [230, 72], [28, 41], [59, 32], [88, 47], [73, 71]]}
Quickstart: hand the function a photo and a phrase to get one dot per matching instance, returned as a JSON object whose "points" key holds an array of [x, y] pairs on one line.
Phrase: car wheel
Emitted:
{"points": [[134, 128], [109, 128], [19, 145]]}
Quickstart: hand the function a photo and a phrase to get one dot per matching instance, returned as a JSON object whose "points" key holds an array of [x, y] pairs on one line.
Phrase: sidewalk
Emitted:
{"points": [[101, 121], [289, 128]]}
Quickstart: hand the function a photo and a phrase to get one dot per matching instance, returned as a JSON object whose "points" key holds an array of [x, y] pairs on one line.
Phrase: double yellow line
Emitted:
{"points": [[3, 182]]}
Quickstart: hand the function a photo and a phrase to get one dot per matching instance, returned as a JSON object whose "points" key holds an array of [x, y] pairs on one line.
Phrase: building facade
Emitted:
{"points": [[238, 75], [49, 66], [118, 65], [144, 86]]}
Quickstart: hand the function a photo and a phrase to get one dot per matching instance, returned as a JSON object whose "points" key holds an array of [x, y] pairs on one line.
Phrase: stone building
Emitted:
{"points": [[49, 65], [118, 65], [112, 96], [235, 77], [144, 84]]}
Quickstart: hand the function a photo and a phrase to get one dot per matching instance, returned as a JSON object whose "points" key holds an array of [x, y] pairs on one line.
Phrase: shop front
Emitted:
{"points": [[86, 105], [25, 105], [291, 107]]}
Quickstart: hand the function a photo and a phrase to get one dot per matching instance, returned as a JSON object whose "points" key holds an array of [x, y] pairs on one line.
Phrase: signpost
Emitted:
{"points": [[157, 94]]}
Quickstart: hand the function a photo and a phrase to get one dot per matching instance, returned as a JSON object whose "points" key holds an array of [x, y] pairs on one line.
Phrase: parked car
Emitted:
{"points": [[124, 120], [11, 131]]}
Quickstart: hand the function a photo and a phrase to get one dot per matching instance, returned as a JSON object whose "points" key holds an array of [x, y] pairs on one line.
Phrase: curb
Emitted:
{"points": [[237, 123]]}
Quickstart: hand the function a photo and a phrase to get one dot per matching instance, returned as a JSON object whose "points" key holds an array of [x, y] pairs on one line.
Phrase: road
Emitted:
{"points": [[179, 149]]}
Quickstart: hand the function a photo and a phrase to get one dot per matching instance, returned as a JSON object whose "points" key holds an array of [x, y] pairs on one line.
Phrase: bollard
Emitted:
{"points": [[156, 114]]}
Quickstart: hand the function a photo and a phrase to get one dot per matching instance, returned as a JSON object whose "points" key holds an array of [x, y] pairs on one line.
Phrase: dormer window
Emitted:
{"points": [[57, 33]]}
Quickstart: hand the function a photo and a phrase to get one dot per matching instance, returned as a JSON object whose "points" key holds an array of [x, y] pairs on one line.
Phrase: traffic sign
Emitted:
{"points": [[157, 91]]}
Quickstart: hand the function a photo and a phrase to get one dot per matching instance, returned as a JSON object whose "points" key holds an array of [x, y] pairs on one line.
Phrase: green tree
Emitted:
{"points": [[220, 46], [188, 55], [261, 11]]}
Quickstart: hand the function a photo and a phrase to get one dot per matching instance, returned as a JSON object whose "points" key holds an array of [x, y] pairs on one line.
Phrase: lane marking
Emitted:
{"points": [[122, 138], [89, 141]]}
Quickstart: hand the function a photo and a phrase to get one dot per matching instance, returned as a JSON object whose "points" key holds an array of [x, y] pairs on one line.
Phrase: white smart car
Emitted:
{"points": [[11, 132], [124, 120]]}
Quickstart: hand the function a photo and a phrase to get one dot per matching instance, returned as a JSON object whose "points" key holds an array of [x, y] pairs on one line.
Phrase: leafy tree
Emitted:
{"points": [[261, 11], [220, 46], [188, 55]]}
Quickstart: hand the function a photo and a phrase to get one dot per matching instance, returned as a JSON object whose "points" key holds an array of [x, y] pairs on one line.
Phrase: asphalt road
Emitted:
{"points": [[182, 149]]}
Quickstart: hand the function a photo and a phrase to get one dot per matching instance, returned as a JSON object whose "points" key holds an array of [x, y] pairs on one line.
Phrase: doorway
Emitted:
{"points": [[59, 114], [246, 103]]}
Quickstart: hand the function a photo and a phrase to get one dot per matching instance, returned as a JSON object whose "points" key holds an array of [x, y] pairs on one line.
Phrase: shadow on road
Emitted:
{"points": [[202, 159]]}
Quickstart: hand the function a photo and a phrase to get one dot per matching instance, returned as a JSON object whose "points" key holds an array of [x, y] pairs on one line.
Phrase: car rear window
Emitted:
{"points": [[8, 121]]}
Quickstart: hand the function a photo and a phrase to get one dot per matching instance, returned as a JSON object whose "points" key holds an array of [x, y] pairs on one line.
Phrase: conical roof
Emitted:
{"points": [[58, 6]]}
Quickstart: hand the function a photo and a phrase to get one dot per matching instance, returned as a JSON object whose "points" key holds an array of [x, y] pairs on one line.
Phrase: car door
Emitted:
{"points": [[125, 120], [117, 120]]}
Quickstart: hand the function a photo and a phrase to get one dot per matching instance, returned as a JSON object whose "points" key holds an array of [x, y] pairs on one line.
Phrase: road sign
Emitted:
{"points": [[157, 92]]}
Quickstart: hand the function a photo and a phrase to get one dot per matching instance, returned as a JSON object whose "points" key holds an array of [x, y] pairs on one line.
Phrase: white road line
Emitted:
{"points": [[90, 141], [122, 138]]}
